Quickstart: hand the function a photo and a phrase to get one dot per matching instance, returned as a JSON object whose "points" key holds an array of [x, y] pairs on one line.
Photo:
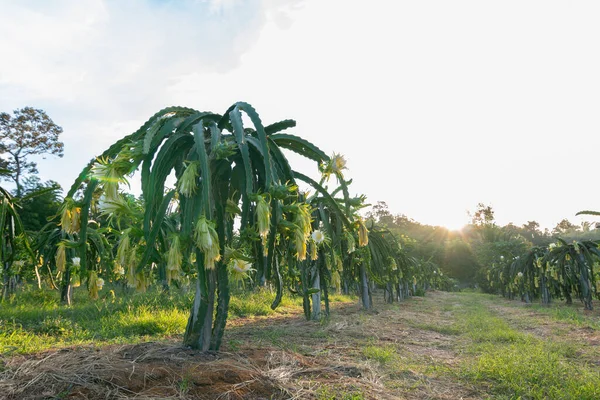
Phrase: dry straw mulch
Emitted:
{"points": [[143, 371], [156, 370]]}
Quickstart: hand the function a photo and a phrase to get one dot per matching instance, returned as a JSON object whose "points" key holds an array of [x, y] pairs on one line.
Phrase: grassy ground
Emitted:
{"points": [[35, 320], [442, 346]]}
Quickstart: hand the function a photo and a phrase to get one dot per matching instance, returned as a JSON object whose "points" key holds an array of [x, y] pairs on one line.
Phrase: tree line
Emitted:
{"points": [[468, 254]]}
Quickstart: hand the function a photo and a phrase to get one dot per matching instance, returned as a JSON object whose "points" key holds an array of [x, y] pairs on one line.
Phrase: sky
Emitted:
{"points": [[437, 105]]}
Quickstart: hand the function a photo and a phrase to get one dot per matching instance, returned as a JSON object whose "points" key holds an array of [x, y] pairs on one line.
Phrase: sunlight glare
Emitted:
{"points": [[455, 225]]}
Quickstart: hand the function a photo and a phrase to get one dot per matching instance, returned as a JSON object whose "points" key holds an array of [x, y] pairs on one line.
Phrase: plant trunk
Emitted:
{"points": [[6, 281], [567, 293], [14, 282], [390, 291], [162, 276], [326, 299], [66, 289], [305, 286], [316, 297], [386, 296], [326, 280], [345, 288], [261, 266], [545, 291], [222, 307], [198, 331], [262, 281], [38, 277], [584, 281], [17, 177], [364, 288]]}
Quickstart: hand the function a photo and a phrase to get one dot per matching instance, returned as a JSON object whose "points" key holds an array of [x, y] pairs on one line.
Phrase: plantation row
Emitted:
{"points": [[561, 270], [220, 206]]}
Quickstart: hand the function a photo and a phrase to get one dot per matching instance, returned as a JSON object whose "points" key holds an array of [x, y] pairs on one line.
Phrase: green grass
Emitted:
{"points": [[35, 320], [496, 351], [483, 327], [381, 354], [339, 393], [517, 365], [533, 370], [258, 303], [573, 315]]}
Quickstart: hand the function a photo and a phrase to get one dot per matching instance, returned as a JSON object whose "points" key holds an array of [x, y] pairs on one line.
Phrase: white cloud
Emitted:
{"points": [[121, 54], [437, 105], [101, 68]]}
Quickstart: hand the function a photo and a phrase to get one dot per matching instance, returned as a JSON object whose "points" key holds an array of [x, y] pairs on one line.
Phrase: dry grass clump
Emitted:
{"points": [[168, 371], [143, 371]]}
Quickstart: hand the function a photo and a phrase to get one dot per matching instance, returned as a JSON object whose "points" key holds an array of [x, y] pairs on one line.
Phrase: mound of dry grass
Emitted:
{"points": [[144, 371], [168, 371]]}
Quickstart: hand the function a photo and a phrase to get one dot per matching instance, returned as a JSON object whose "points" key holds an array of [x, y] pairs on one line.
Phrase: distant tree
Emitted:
{"points": [[590, 230], [483, 215], [406, 224], [12, 242], [533, 227], [586, 226], [40, 201], [380, 212], [564, 227], [532, 232], [459, 261], [496, 247], [28, 132]]}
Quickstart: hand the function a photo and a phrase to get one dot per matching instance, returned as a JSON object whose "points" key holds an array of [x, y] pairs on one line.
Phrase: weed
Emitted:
{"points": [[381, 354], [339, 393], [234, 345]]}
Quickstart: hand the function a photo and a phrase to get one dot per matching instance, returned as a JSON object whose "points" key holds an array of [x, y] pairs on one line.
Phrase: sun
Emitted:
{"points": [[454, 225]]}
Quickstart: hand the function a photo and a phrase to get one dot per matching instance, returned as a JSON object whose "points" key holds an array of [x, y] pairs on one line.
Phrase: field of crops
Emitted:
{"points": [[118, 295]]}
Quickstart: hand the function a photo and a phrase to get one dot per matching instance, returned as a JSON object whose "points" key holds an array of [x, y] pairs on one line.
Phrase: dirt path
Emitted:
{"points": [[382, 354], [410, 350]]}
